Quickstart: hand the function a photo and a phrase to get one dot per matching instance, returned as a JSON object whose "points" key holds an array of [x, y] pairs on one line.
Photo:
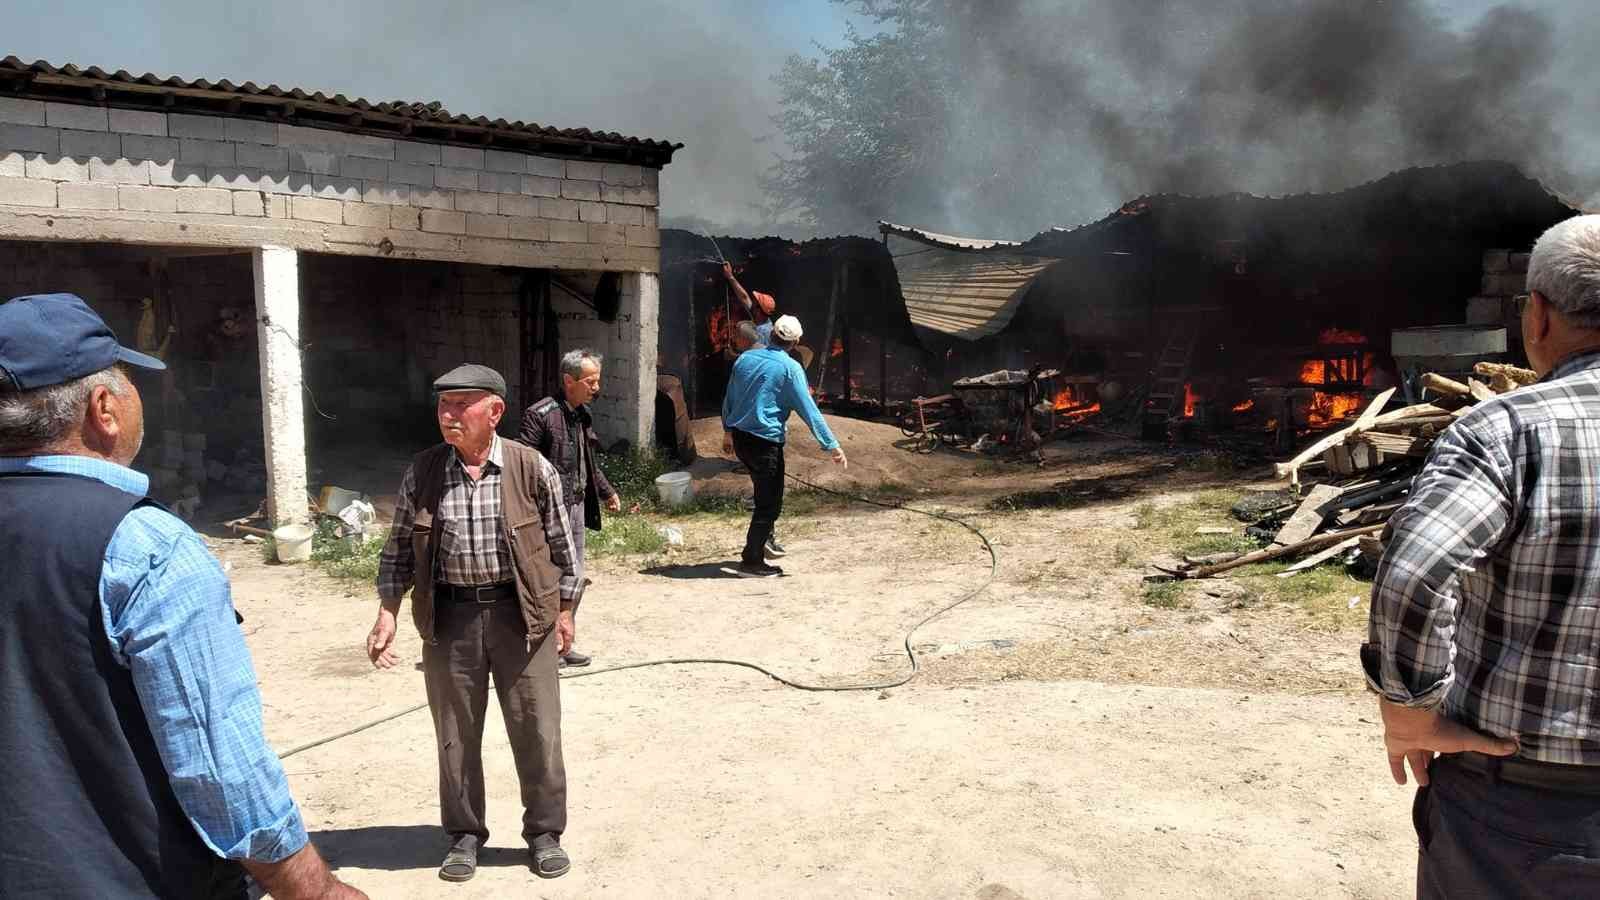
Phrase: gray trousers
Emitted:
{"points": [[1483, 838], [575, 522], [473, 643]]}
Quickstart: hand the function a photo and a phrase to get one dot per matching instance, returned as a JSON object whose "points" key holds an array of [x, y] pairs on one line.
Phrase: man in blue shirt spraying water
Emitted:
{"points": [[767, 385]]}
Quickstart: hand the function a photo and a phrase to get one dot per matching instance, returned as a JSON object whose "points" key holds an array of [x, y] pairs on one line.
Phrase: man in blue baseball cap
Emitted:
{"points": [[133, 718]]}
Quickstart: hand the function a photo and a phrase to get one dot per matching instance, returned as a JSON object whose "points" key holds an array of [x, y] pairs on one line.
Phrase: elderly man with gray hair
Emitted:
{"points": [[133, 741], [563, 431], [1484, 638]]}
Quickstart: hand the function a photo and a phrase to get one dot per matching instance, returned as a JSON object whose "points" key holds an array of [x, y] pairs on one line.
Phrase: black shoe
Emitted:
{"points": [[461, 863], [575, 659], [774, 550], [551, 861], [759, 570]]}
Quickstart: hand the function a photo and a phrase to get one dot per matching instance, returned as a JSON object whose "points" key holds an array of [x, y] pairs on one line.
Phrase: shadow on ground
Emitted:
{"points": [[708, 570], [398, 848]]}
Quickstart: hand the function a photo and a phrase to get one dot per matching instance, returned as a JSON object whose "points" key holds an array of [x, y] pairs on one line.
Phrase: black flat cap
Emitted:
{"points": [[471, 377]]}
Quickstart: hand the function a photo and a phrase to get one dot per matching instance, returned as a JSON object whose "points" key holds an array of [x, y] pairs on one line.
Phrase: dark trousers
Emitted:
{"points": [[1481, 837], [764, 459], [471, 644]]}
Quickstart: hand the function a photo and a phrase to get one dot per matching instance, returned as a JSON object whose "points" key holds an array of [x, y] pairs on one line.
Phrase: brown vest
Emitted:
{"points": [[521, 496]]}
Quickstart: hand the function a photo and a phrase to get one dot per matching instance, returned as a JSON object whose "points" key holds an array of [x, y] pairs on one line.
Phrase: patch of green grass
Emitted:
{"points": [[333, 555], [634, 474], [1323, 593], [1206, 544], [625, 536], [707, 505], [1123, 554], [1165, 595]]}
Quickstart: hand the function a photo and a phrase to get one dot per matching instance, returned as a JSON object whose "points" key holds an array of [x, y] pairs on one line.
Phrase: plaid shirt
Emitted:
{"points": [[473, 550], [1487, 601]]}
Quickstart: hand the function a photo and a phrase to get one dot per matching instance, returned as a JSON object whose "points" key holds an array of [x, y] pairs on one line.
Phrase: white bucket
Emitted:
{"points": [[675, 488], [293, 542]]}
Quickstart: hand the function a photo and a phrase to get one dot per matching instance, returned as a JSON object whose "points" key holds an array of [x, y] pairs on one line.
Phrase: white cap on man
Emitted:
{"points": [[787, 328]]}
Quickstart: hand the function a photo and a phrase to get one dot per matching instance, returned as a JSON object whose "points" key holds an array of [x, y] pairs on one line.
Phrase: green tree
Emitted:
{"points": [[865, 120]]}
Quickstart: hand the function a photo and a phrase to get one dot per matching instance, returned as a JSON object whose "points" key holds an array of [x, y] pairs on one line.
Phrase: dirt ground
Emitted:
{"points": [[1066, 738]]}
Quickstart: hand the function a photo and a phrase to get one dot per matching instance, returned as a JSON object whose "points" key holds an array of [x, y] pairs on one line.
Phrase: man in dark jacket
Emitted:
{"points": [[563, 431]]}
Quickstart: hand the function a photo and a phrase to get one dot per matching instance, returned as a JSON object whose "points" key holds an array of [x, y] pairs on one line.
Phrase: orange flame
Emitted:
{"points": [[837, 349], [720, 330], [1327, 409], [1244, 407], [1070, 407], [1189, 400], [1078, 414]]}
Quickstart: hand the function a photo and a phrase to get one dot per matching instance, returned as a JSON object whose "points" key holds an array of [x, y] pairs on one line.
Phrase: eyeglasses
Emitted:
{"points": [[1522, 302]]}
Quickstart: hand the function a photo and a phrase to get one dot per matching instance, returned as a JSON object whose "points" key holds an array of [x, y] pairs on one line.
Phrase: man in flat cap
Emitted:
{"points": [[133, 745], [482, 540]]}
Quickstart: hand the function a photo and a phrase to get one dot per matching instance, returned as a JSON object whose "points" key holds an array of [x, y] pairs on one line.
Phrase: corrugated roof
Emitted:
{"points": [[966, 288], [947, 241], [404, 118]]}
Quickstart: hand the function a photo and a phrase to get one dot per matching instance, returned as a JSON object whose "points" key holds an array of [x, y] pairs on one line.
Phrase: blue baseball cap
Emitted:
{"points": [[48, 339]]}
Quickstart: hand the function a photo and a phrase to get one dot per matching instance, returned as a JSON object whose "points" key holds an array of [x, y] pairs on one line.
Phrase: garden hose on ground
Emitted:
{"points": [[910, 651]]}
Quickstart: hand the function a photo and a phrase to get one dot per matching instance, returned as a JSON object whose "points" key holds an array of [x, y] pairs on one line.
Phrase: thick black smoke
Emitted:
{"points": [[1059, 111]]}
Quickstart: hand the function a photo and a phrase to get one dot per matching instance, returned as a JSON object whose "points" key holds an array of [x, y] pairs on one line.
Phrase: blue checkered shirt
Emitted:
{"points": [[168, 614], [1486, 604]]}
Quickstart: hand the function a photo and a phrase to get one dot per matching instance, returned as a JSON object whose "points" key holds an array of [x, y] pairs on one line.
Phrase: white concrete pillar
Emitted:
{"points": [[277, 271], [642, 297]]}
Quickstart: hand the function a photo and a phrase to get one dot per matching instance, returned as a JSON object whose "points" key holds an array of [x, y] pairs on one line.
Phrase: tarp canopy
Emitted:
{"points": [[965, 288]]}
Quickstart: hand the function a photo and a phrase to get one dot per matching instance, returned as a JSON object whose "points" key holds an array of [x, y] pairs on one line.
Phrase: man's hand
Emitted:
{"points": [[838, 458], [1415, 735], [614, 503], [301, 876], [566, 631], [727, 443], [380, 642], [727, 271]]}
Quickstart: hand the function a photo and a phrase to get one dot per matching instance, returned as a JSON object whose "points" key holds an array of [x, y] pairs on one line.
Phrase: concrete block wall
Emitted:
{"points": [[1505, 275], [625, 409], [95, 173], [112, 286]]}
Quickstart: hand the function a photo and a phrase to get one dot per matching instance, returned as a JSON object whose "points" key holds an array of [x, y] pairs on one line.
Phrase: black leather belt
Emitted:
{"points": [[487, 595], [1531, 773]]}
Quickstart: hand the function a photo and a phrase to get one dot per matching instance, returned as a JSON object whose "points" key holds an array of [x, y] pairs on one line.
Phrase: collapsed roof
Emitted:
{"points": [[966, 288]]}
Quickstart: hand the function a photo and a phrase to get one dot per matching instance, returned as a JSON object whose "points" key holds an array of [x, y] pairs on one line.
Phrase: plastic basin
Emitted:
{"points": [[293, 543], [675, 488]]}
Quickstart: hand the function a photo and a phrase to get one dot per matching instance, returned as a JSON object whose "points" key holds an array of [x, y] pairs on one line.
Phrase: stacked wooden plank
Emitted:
{"points": [[1366, 469]]}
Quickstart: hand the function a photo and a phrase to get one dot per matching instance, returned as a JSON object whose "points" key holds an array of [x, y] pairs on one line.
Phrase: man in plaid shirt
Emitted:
{"points": [[482, 541], [1484, 640]]}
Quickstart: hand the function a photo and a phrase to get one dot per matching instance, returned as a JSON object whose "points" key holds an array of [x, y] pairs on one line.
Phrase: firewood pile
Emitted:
{"points": [[1360, 475]]}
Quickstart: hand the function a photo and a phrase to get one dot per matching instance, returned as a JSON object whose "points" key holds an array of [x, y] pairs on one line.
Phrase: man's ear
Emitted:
{"points": [[101, 424], [1537, 324]]}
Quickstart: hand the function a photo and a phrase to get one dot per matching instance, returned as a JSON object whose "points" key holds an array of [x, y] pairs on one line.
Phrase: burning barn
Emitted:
{"points": [[860, 353], [1277, 314], [1266, 311]]}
